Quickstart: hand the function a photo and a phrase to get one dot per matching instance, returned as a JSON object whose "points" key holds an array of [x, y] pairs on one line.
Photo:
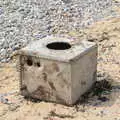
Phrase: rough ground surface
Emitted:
{"points": [[22, 21], [102, 103]]}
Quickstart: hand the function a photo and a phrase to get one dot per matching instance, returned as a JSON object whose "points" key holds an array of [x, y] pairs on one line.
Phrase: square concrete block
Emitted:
{"points": [[53, 69]]}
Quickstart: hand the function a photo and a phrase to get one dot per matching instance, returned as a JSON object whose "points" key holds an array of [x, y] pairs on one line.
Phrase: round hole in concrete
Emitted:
{"points": [[38, 64], [59, 45], [29, 62]]}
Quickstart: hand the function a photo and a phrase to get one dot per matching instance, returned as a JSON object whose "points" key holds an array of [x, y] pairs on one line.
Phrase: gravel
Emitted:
{"points": [[22, 21]]}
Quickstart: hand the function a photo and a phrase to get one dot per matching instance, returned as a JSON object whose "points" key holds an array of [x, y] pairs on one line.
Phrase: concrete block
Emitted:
{"points": [[54, 69]]}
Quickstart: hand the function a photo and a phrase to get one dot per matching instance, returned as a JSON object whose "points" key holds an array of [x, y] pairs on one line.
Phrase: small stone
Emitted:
{"points": [[1, 11], [13, 107], [103, 99], [1, 19]]}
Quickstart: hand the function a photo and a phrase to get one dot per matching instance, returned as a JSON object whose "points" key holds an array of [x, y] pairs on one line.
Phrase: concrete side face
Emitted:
{"points": [[83, 74], [46, 80]]}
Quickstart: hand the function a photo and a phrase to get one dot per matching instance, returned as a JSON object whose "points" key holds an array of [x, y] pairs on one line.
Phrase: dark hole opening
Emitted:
{"points": [[59, 45], [29, 62], [38, 64]]}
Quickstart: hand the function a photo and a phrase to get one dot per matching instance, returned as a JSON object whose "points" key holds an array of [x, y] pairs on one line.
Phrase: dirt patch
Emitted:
{"points": [[101, 103]]}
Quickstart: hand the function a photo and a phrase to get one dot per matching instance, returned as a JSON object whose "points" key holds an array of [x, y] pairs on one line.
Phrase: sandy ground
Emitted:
{"points": [[105, 106]]}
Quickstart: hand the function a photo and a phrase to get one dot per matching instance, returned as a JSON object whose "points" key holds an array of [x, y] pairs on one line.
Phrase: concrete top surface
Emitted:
{"points": [[39, 49]]}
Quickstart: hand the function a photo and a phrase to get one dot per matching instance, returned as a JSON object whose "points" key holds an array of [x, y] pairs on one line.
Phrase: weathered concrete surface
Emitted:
{"points": [[83, 74], [60, 76]]}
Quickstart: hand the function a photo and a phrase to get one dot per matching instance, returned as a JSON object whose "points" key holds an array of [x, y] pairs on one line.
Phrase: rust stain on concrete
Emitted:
{"points": [[41, 93], [52, 85]]}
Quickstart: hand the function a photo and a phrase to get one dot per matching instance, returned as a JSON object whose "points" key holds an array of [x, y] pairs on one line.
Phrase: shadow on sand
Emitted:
{"points": [[104, 92]]}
